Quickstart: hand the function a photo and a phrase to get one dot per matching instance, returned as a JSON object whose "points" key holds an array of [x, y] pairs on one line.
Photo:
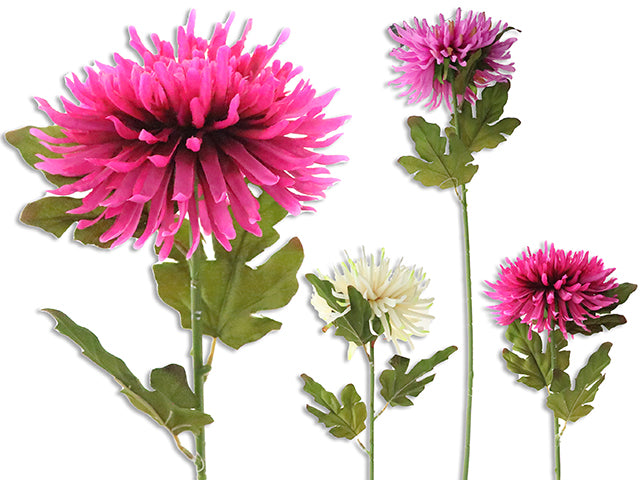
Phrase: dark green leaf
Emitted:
{"points": [[324, 288], [596, 325], [486, 130], [233, 292], [29, 146], [169, 404], [465, 74], [172, 382], [344, 420], [398, 385], [437, 168], [622, 292], [561, 381], [528, 360], [475, 62], [355, 324], [570, 405], [604, 319]]}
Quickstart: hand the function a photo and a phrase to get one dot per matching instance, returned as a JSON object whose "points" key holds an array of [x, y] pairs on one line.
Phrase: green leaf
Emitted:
{"points": [[571, 405], [170, 405], [172, 382], [324, 288], [622, 292], [344, 420], [465, 74], [596, 325], [50, 214], [485, 129], [233, 292], [398, 385], [477, 61], [528, 360], [437, 168], [355, 324], [29, 146], [604, 319]]}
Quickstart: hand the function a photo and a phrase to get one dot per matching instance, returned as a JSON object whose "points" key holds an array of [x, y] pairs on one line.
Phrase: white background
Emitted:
{"points": [[568, 175]]}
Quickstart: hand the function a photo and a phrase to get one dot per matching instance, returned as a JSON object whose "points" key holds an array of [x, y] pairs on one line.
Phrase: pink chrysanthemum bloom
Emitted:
{"points": [[552, 287], [432, 55], [181, 134]]}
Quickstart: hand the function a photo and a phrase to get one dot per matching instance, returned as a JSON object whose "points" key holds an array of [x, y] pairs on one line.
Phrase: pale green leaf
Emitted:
{"points": [[435, 167], [233, 292], [485, 129], [170, 405], [29, 146]]}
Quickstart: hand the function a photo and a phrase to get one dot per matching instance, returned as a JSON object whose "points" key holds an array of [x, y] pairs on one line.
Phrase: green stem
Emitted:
{"points": [[467, 441], [467, 256], [199, 373], [556, 424], [372, 388]]}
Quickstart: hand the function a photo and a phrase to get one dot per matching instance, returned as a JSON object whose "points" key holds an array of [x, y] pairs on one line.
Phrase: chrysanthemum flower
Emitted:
{"points": [[182, 134], [552, 287], [394, 293], [432, 55]]}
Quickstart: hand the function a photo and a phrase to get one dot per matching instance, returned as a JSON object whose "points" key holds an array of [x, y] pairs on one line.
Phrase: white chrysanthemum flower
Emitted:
{"points": [[394, 294]]}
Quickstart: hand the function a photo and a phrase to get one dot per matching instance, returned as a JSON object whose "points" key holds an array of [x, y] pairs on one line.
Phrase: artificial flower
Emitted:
{"points": [[393, 292], [552, 287], [431, 55], [182, 134]]}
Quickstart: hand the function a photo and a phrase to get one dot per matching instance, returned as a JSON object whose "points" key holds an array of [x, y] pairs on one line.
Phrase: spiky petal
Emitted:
{"points": [[552, 287], [182, 133], [393, 292], [432, 54]]}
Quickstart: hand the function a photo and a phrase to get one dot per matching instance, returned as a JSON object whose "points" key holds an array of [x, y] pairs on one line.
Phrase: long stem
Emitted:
{"points": [[467, 256], [199, 373], [556, 424], [467, 437], [372, 388]]}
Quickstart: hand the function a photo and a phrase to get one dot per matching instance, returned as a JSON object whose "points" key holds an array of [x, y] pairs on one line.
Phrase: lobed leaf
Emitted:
{"points": [[171, 404], [398, 385], [571, 405], [344, 420], [529, 361], [435, 167], [234, 293], [485, 129]]}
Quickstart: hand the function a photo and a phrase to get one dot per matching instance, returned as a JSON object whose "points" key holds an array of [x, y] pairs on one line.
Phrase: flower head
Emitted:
{"points": [[183, 133], [433, 54], [394, 294], [552, 287]]}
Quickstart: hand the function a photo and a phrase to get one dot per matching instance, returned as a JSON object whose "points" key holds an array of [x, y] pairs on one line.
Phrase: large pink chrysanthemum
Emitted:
{"points": [[552, 287], [430, 53], [181, 134]]}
